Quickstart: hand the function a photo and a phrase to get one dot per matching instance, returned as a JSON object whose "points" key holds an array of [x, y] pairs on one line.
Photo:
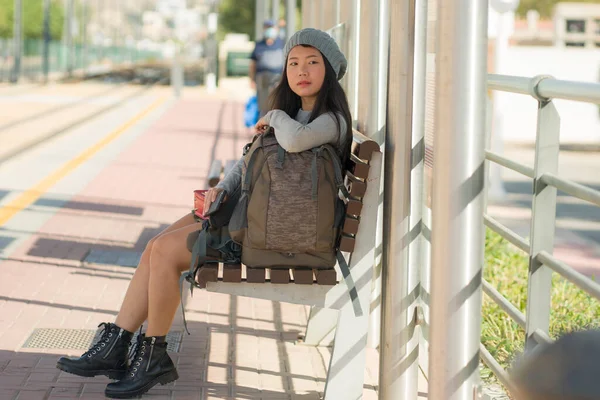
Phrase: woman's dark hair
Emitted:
{"points": [[331, 98]]}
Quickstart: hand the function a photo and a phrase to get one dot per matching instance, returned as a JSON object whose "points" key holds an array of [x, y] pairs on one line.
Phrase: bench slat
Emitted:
{"points": [[359, 168], [347, 244], [350, 225], [362, 146], [280, 275], [326, 277], [255, 275], [232, 273], [208, 273], [303, 276], [354, 207], [357, 188]]}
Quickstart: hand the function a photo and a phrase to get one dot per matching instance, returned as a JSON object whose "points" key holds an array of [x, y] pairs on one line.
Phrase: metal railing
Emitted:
{"points": [[546, 182]]}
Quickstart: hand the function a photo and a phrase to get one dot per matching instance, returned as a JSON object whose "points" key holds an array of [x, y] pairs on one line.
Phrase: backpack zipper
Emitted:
{"points": [[151, 350], [114, 344]]}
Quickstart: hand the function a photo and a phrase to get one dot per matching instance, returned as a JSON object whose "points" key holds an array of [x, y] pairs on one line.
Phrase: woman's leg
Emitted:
{"points": [[169, 258], [134, 309]]}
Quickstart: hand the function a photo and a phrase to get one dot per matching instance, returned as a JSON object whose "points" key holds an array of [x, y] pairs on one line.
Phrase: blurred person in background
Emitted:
{"points": [[567, 369], [267, 64]]}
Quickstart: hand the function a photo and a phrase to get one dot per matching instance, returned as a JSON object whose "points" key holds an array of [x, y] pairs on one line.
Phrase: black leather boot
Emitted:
{"points": [[149, 366], [107, 357]]}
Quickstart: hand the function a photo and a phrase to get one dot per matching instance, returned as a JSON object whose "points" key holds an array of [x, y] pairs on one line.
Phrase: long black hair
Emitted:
{"points": [[331, 98]]}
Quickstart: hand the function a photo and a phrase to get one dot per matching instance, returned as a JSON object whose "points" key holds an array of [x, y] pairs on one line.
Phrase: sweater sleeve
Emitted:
{"points": [[295, 137], [233, 179]]}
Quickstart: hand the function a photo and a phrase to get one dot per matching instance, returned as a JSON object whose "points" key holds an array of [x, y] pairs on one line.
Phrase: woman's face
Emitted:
{"points": [[305, 71]]}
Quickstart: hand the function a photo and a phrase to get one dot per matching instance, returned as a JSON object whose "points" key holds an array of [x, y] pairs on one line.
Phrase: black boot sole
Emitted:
{"points": [[164, 379], [111, 373]]}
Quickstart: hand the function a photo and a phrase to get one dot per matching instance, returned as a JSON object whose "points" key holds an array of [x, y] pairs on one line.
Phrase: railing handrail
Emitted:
{"points": [[545, 87]]}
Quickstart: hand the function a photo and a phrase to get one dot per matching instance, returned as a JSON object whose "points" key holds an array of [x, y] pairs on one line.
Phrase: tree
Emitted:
{"points": [[237, 16], [33, 17]]}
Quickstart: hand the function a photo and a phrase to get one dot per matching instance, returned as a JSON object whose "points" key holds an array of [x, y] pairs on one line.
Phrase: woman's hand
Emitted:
{"points": [[211, 196], [261, 125]]}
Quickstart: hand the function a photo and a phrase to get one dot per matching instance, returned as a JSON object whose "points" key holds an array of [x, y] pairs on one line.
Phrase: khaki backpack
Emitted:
{"points": [[289, 212]]}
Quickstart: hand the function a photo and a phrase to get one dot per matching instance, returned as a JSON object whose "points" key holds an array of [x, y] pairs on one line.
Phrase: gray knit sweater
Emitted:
{"points": [[295, 135]]}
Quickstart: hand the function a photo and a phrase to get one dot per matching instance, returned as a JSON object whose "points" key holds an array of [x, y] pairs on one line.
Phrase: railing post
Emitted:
{"points": [[543, 216], [458, 193]]}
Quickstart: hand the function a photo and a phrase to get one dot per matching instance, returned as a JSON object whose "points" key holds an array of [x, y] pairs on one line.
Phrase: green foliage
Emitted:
{"points": [[506, 269], [237, 16], [33, 17], [545, 7]]}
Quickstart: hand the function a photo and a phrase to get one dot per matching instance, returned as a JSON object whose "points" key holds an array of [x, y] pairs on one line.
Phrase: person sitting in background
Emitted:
{"points": [[266, 65], [568, 369]]}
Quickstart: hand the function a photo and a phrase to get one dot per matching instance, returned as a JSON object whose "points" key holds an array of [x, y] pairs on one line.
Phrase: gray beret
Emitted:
{"points": [[324, 43]]}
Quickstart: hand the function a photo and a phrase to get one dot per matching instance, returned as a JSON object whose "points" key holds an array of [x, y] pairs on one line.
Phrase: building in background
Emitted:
{"points": [[572, 25]]}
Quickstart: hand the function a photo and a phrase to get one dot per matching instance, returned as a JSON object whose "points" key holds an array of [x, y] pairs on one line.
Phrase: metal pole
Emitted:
{"points": [[259, 19], [458, 194], [353, 58], [275, 11], [46, 48], [69, 38], [18, 40], [399, 351], [84, 36], [378, 114], [290, 16], [367, 69], [212, 53]]}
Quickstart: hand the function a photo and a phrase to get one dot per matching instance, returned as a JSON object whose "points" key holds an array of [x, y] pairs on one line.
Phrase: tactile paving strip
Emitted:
{"points": [[82, 339]]}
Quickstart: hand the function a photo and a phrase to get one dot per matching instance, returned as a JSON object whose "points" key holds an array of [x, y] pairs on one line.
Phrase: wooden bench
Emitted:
{"points": [[349, 295], [217, 171]]}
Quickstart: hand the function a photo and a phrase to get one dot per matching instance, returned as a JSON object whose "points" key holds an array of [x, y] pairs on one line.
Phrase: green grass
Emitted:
{"points": [[506, 270]]}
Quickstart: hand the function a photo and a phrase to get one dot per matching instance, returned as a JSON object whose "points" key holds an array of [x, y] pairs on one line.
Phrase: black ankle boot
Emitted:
{"points": [[107, 357], [150, 366]]}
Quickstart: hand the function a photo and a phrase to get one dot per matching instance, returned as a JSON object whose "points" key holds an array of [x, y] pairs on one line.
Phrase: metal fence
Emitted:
{"points": [[546, 183], [84, 57]]}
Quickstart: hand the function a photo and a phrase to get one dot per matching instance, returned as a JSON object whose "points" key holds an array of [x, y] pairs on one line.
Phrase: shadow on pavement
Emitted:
{"points": [[32, 373]]}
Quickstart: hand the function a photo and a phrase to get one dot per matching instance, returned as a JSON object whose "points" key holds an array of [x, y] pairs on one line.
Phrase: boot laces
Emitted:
{"points": [[136, 355], [107, 334]]}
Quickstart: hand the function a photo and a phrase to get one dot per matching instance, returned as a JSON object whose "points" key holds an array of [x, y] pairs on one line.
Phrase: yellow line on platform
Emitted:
{"points": [[31, 195]]}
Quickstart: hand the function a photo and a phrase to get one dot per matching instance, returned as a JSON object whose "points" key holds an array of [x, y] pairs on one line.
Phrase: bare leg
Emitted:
{"points": [[134, 309], [168, 260]]}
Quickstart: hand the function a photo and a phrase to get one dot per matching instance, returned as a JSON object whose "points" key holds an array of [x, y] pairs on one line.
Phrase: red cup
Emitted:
{"points": [[199, 196]]}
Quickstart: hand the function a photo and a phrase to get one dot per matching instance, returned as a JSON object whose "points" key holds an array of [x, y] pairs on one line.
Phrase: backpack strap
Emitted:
{"points": [[350, 284], [198, 258], [337, 167], [208, 237], [248, 176]]}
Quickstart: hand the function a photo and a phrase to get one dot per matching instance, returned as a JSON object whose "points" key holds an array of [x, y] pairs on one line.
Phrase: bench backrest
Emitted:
{"points": [[356, 182]]}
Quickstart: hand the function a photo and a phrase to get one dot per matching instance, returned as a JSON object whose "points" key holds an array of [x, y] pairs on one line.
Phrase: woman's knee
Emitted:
{"points": [[163, 253]]}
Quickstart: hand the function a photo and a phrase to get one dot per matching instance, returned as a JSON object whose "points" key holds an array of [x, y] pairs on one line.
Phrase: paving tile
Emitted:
{"points": [[38, 394]]}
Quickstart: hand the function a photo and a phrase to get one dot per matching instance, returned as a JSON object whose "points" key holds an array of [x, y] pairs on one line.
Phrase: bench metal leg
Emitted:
{"points": [[345, 376], [320, 328]]}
